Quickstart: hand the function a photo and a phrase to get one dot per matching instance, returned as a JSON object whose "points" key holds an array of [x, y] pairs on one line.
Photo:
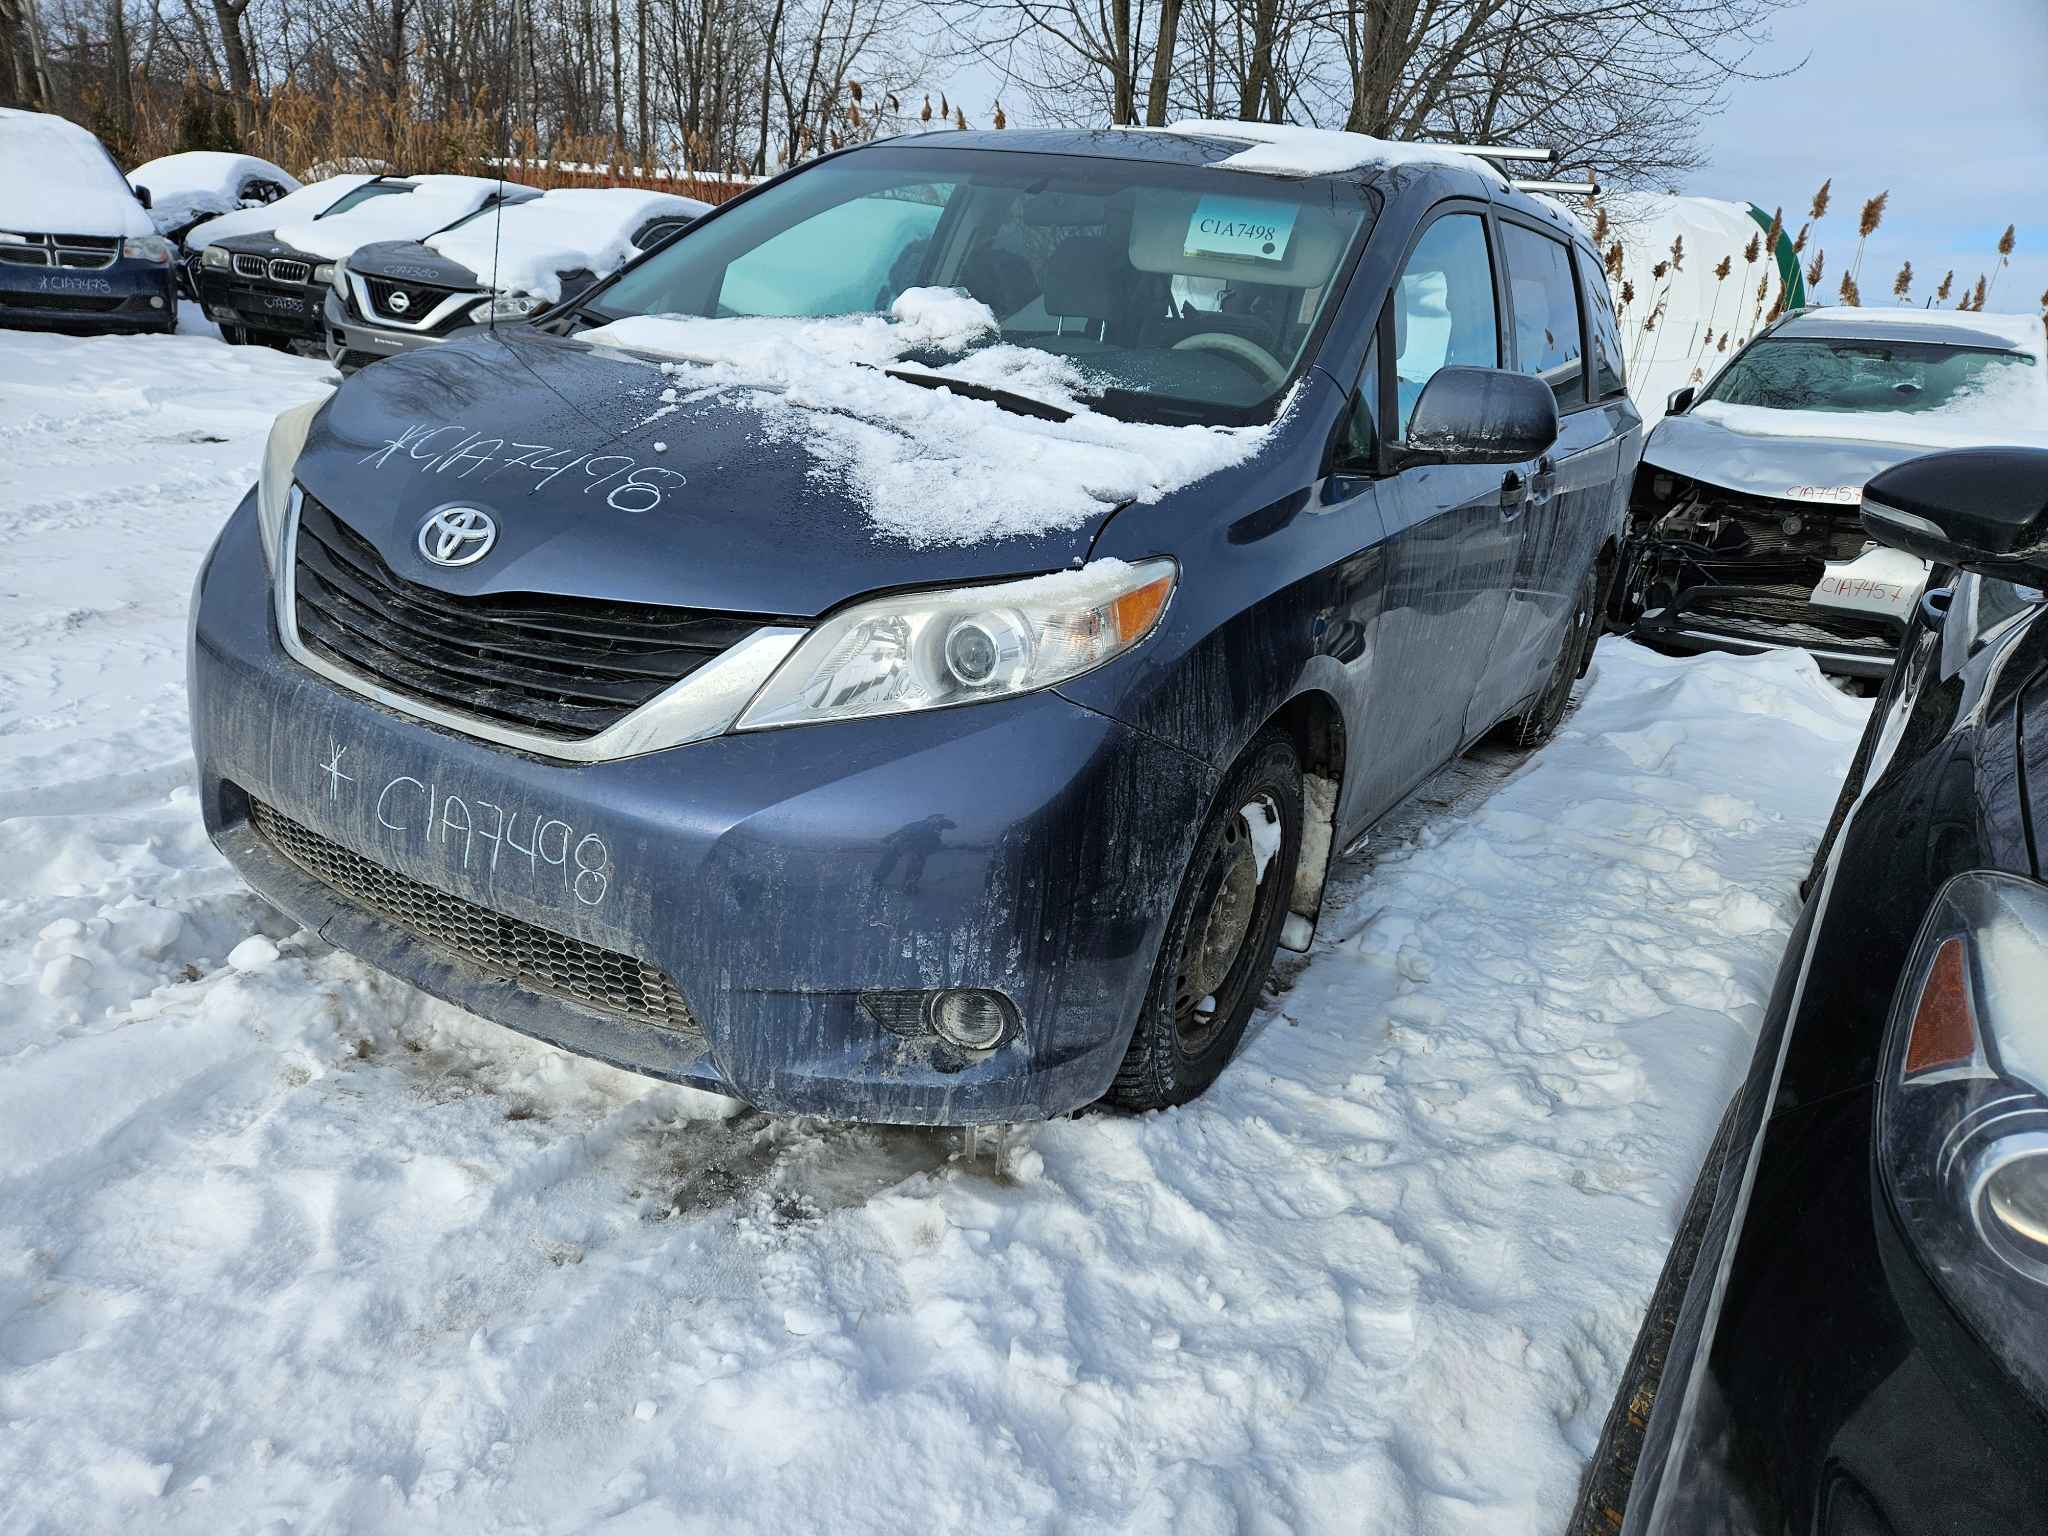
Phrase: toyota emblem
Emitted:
{"points": [[458, 536], [399, 302]]}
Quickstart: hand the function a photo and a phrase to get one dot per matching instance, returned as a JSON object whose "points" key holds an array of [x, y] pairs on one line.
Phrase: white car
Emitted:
{"points": [[200, 184], [1744, 525]]}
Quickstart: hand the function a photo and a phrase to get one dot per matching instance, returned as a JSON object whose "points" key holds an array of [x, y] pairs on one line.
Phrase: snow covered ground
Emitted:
{"points": [[285, 1246]]}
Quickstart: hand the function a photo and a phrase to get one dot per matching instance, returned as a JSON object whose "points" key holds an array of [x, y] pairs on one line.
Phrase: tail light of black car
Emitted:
{"points": [[1963, 1110]]}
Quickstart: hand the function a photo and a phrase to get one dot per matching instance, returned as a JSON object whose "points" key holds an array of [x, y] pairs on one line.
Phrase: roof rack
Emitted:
{"points": [[1507, 156]]}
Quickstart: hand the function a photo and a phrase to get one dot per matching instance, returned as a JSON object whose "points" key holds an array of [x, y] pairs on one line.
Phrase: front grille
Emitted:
{"points": [[1785, 615], [251, 266], [285, 270], [420, 299], [528, 956], [565, 667], [78, 252]]}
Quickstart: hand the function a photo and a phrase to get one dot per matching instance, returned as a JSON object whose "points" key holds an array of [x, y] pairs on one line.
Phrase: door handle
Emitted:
{"points": [[1544, 484]]}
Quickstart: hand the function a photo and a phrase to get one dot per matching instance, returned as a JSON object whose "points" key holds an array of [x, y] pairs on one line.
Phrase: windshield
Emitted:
{"points": [[1183, 293], [1831, 374], [363, 194]]}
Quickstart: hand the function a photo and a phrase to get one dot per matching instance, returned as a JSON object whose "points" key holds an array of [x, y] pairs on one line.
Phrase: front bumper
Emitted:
{"points": [[125, 295], [285, 311], [1030, 845], [1749, 607]]}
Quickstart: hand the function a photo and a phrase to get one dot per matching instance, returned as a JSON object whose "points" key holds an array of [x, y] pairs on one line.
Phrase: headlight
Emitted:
{"points": [[213, 256], [928, 650], [328, 272], [1963, 1109], [274, 483], [147, 248], [508, 306]]}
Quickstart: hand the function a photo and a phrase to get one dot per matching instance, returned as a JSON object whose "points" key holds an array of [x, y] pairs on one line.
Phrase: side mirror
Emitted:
{"points": [[1481, 416], [1983, 509], [1679, 399], [142, 196]]}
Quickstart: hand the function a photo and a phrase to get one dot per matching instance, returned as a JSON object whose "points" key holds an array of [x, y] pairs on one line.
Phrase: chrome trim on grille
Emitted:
{"points": [[426, 322], [284, 269], [703, 704], [250, 266], [76, 253]]}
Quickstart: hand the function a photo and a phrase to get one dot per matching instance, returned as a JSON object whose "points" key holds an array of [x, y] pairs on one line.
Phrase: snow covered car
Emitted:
{"points": [[907, 650], [1743, 526], [268, 284], [512, 261], [1847, 1336], [193, 186], [77, 249]]}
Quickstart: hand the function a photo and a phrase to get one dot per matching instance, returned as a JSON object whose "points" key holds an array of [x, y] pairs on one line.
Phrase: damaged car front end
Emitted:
{"points": [[1738, 555], [1744, 532]]}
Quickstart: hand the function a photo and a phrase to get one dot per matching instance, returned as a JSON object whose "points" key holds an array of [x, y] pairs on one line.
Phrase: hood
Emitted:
{"points": [[264, 243], [1817, 469], [601, 490], [411, 261]]}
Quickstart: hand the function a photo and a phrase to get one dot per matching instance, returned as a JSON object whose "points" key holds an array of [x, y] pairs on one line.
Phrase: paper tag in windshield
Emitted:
{"points": [[1243, 227]]}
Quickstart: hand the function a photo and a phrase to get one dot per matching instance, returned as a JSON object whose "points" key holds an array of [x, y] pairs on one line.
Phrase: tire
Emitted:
{"points": [[1221, 937], [1538, 722]]}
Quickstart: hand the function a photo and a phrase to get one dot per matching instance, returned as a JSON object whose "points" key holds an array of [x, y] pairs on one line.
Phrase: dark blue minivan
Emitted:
{"points": [[909, 649]]}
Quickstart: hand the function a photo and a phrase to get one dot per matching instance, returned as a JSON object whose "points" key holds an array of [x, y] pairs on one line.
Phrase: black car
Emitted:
{"points": [[1851, 1336], [510, 260], [257, 288]]}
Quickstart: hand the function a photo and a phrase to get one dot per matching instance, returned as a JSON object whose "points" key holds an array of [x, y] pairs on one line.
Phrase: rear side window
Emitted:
{"points": [[1610, 377], [1443, 308], [1547, 338]]}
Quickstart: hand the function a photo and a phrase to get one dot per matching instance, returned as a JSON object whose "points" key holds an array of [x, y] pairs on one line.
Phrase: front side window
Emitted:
{"points": [[1443, 308], [1547, 341], [1610, 377], [1182, 293], [1816, 373]]}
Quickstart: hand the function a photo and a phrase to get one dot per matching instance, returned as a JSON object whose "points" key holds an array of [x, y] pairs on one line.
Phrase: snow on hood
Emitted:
{"points": [[529, 245], [928, 466], [309, 202], [200, 181], [56, 179], [1284, 149], [433, 203]]}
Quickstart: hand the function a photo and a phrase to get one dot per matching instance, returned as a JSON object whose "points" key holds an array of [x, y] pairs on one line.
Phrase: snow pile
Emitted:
{"points": [[187, 186], [433, 202], [309, 202], [931, 467], [1691, 307], [1284, 149], [56, 179], [529, 245]]}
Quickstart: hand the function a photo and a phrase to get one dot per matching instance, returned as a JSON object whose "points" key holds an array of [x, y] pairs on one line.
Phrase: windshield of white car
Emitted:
{"points": [[1808, 373], [1181, 292]]}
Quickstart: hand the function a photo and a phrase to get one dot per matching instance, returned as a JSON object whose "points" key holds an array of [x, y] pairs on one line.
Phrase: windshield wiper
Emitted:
{"points": [[1006, 399]]}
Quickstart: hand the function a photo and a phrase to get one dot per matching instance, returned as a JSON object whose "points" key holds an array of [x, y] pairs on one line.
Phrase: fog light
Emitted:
{"points": [[155, 302], [972, 1019]]}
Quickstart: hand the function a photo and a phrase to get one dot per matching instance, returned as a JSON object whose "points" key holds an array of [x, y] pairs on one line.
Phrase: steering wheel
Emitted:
{"points": [[1238, 349]]}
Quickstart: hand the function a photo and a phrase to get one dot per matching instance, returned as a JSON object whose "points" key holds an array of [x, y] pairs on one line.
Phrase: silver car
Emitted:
{"points": [[1744, 534]]}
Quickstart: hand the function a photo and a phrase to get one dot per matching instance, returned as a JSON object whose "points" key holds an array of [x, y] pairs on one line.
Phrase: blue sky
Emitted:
{"points": [[1944, 105]]}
